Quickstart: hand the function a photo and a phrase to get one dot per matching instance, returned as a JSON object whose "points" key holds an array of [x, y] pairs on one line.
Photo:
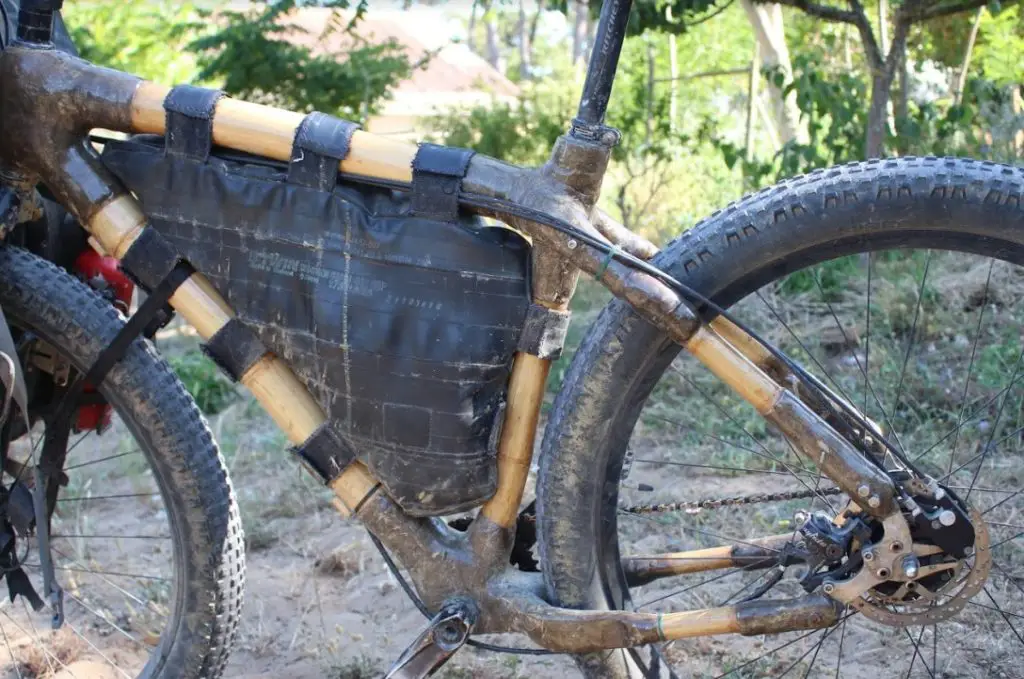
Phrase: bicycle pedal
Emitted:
{"points": [[435, 645]]}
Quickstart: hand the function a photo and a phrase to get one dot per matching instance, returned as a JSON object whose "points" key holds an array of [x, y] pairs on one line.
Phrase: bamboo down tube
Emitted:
{"points": [[268, 131]]}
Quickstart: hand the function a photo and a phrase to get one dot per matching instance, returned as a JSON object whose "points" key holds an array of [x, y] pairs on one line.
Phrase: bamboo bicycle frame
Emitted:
{"points": [[57, 99]]}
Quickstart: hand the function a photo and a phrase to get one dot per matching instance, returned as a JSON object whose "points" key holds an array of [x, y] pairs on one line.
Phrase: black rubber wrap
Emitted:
{"points": [[437, 173], [189, 112], [235, 348], [544, 332], [403, 327], [321, 142]]}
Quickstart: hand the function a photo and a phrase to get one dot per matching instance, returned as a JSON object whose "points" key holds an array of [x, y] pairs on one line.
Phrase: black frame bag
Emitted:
{"points": [[403, 327]]}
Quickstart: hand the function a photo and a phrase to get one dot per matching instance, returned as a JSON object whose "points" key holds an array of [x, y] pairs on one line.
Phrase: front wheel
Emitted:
{"points": [[146, 538], [898, 283]]}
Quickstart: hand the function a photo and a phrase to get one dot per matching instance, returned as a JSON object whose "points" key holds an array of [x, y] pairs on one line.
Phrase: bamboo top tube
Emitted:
{"points": [[269, 132]]}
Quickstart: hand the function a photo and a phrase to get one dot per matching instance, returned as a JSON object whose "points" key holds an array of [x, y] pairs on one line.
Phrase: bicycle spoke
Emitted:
{"points": [[104, 619], [1003, 542], [721, 538], [106, 580], [1004, 616], [970, 364], [913, 333], [95, 648], [767, 453], [839, 656], [676, 423], [994, 609], [995, 427], [796, 662], [768, 653], [917, 653], [102, 459], [111, 536], [1003, 501], [814, 658], [87, 498], [867, 334], [115, 574], [10, 652], [853, 354], [39, 642]]}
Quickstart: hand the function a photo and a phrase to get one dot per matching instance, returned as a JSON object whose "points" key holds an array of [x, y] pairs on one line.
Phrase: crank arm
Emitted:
{"points": [[756, 554], [444, 635]]}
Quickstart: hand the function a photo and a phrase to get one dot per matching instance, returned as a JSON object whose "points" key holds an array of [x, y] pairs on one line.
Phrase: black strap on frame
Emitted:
{"points": [[321, 143], [59, 423], [325, 453], [190, 121], [437, 173], [235, 348]]}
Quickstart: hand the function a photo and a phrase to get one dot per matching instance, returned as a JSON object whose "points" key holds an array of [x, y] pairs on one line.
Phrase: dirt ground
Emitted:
{"points": [[321, 603]]}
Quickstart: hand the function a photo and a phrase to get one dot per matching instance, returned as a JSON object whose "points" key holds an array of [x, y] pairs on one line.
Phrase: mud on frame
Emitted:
{"points": [[465, 577]]}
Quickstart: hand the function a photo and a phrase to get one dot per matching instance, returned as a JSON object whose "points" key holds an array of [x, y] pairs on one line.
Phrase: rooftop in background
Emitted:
{"points": [[454, 78]]}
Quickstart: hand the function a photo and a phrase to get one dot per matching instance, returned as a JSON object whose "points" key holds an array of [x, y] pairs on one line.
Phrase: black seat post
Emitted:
{"points": [[604, 59], [35, 21]]}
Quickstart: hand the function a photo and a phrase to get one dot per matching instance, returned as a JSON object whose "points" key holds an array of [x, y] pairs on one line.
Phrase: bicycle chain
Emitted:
{"points": [[716, 503]]}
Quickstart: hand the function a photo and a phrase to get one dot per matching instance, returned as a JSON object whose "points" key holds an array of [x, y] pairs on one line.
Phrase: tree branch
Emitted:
{"points": [[873, 53], [942, 10], [826, 12]]}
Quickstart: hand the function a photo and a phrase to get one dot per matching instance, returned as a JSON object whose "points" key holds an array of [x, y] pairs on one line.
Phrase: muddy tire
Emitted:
{"points": [[951, 204], [178, 447]]}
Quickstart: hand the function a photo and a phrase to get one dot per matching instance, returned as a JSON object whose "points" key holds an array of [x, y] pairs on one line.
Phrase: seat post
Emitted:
{"points": [[604, 60]]}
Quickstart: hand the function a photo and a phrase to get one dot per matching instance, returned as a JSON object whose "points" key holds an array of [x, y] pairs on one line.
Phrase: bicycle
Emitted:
{"points": [[882, 539]]}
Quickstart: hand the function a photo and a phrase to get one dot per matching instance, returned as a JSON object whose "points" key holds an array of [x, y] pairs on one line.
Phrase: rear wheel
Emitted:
{"points": [[146, 538], [898, 284]]}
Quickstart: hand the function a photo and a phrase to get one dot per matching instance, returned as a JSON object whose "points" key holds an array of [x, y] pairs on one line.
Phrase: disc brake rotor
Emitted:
{"points": [[914, 603]]}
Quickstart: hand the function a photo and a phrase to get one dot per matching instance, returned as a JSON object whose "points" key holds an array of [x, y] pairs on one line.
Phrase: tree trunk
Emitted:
{"points": [[650, 91], [673, 83], [961, 81], [878, 114], [541, 6], [579, 30], [766, 20], [471, 31], [525, 67], [752, 94], [493, 40]]}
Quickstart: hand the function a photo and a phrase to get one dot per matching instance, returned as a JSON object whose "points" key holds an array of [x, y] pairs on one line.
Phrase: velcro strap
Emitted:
{"points": [[135, 327], [235, 348], [190, 120], [150, 259], [544, 332], [321, 143], [437, 173], [325, 453]]}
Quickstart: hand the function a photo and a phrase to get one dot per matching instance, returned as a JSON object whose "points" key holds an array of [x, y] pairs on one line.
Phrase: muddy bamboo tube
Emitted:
{"points": [[758, 552], [515, 448], [735, 369], [699, 623], [743, 342], [269, 132]]}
